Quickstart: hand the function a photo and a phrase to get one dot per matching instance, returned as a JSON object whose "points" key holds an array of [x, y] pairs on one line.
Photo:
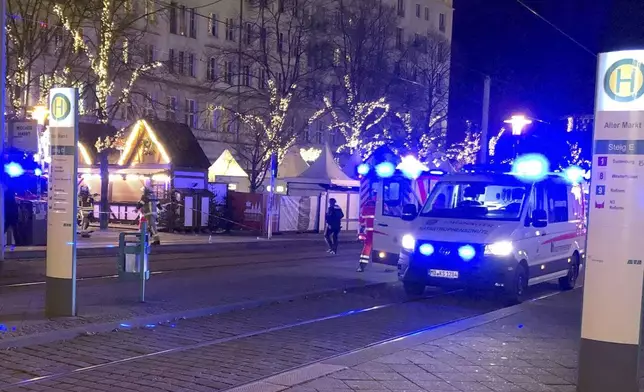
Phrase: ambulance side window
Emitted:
{"points": [[391, 199], [537, 199], [557, 202]]}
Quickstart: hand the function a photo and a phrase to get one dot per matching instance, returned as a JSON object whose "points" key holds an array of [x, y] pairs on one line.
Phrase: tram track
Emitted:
{"points": [[247, 335], [249, 344], [229, 261]]}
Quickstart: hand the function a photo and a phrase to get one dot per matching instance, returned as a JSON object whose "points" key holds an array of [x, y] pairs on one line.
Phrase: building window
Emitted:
{"points": [[418, 11], [401, 8], [191, 65], [280, 5], [190, 118], [399, 37], [171, 61], [213, 117], [426, 13], [319, 133], [150, 53], [280, 43], [230, 29], [336, 56], [228, 72], [246, 76], [261, 79], [183, 14], [442, 22], [181, 63], [211, 73], [262, 38], [193, 23], [127, 110], [213, 26], [171, 109], [151, 11], [248, 34], [173, 18], [150, 101]]}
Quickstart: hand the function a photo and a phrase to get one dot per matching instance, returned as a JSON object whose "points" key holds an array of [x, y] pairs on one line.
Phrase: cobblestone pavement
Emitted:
{"points": [[225, 350], [532, 350], [106, 300], [222, 351]]}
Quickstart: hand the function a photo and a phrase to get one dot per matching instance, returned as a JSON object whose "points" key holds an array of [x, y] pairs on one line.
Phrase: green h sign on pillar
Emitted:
{"points": [[62, 203], [612, 306]]}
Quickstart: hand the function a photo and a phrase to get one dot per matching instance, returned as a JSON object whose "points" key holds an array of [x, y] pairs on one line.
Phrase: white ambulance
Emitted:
{"points": [[492, 230]]}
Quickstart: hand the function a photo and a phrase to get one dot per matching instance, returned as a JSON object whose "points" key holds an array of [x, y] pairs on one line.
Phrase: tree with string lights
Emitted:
{"points": [[110, 35], [419, 95], [39, 54], [272, 71], [363, 50]]}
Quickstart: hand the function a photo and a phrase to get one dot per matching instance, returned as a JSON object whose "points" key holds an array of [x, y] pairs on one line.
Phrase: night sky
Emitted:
{"points": [[534, 69]]}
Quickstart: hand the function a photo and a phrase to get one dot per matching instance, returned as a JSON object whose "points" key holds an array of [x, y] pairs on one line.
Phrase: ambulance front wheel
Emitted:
{"points": [[414, 288], [569, 281]]}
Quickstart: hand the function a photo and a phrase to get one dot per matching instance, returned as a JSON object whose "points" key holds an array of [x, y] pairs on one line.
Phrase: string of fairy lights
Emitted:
{"points": [[362, 116]]}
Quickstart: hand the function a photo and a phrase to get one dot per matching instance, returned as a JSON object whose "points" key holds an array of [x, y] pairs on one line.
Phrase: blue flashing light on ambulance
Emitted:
{"points": [[496, 229], [394, 182]]}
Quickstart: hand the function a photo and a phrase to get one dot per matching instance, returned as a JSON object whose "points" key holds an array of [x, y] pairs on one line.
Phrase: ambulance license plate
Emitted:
{"points": [[434, 273]]}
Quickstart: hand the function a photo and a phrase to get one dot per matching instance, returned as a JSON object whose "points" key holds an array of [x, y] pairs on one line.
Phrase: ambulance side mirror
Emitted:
{"points": [[539, 218], [409, 212]]}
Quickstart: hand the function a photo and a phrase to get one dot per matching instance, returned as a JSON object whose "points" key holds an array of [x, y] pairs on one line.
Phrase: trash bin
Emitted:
{"points": [[133, 256]]}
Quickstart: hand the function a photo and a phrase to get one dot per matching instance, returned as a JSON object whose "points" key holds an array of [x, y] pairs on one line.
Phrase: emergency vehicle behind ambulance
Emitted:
{"points": [[391, 196], [492, 230]]}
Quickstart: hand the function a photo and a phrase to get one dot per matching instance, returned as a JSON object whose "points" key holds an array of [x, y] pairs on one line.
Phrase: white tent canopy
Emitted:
{"points": [[226, 166], [438, 161], [292, 165], [324, 171]]}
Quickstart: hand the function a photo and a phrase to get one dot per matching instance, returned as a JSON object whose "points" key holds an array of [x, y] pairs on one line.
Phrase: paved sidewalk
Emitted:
{"points": [[526, 348]]}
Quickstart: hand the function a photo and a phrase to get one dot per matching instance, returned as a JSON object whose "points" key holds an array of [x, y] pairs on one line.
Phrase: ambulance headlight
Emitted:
{"points": [[408, 242], [501, 248]]}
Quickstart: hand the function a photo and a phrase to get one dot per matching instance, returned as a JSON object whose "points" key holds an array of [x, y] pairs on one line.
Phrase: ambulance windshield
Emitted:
{"points": [[491, 200]]}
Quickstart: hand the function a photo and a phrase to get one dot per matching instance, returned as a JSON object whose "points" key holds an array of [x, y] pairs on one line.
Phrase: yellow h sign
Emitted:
{"points": [[60, 107], [624, 80]]}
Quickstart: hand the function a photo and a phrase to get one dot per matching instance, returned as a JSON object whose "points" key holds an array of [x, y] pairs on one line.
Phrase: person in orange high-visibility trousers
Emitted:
{"points": [[367, 217]]}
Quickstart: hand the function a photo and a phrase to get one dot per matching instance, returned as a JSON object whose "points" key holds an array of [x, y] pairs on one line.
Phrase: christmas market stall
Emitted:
{"points": [[324, 180], [227, 170], [163, 156]]}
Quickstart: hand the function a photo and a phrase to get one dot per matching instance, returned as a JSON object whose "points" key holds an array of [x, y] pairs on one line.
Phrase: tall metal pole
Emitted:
{"points": [[271, 196], [485, 119], [3, 73], [239, 67]]}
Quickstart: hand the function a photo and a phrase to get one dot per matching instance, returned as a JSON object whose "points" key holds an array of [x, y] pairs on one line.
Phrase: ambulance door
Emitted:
{"points": [[392, 195]]}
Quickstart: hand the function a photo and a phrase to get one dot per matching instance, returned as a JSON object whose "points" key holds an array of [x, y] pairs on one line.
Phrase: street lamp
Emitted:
{"points": [[518, 122], [40, 113]]}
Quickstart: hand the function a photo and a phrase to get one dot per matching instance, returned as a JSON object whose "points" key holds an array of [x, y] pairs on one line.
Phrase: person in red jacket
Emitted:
{"points": [[367, 217]]}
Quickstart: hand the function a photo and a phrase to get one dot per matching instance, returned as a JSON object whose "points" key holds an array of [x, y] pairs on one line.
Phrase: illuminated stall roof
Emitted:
{"points": [[293, 164], [226, 165], [163, 143]]}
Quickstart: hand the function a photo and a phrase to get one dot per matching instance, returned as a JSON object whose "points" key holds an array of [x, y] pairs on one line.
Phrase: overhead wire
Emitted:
{"points": [[538, 15]]}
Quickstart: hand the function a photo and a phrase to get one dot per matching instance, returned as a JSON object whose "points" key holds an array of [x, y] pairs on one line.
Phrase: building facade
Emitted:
{"points": [[207, 61]]}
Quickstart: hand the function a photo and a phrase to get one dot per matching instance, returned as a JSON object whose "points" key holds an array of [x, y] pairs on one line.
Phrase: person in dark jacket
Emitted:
{"points": [[333, 224]]}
